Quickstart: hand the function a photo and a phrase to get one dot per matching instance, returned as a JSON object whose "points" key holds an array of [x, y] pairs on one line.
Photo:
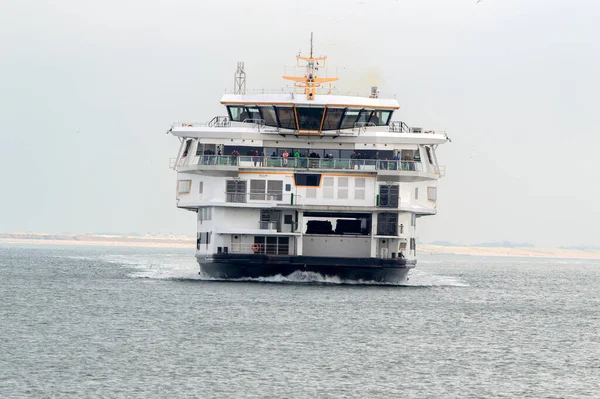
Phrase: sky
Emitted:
{"points": [[88, 90]]}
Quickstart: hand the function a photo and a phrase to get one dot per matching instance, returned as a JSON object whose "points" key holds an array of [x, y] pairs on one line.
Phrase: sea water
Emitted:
{"points": [[122, 323]]}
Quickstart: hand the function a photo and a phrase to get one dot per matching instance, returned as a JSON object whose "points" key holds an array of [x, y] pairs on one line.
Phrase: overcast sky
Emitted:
{"points": [[89, 88]]}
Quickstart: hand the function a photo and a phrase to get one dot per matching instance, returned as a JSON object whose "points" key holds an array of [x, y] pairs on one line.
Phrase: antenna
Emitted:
{"points": [[239, 80], [311, 44]]}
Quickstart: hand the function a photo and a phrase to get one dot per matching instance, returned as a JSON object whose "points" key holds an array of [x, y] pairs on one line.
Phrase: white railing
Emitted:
{"points": [[262, 248], [309, 163]]}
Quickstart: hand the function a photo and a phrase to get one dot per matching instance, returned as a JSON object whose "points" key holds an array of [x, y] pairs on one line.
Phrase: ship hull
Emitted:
{"points": [[239, 266]]}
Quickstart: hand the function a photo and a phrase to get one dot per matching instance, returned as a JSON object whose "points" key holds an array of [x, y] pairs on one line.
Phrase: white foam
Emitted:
{"points": [[422, 278]]}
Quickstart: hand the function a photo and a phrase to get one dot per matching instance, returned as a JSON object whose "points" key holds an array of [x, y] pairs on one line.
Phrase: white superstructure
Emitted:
{"points": [[286, 181]]}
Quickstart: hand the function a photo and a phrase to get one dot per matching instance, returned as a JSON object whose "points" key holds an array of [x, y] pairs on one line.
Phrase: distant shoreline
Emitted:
{"points": [[517, 252], [96, 240], [190, 243]]}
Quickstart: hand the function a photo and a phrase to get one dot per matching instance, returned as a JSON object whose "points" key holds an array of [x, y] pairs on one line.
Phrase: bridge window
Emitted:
{"points": [[380, 118], [235, 112], [350, 118], [364, 116], [253, 114], [287, 119], [333, 116], [268, 114], [184, 186], [309, 118]]}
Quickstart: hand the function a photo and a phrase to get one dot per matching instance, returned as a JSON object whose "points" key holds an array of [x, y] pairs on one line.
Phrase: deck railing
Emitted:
{"points": [[309, 163]]}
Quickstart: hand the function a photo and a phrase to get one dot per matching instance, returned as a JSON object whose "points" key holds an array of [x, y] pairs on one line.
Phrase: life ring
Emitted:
{"points": [[255, 248]]}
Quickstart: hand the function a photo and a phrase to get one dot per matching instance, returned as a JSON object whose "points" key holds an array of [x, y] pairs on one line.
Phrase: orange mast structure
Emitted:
{"points": [[310, 82]]}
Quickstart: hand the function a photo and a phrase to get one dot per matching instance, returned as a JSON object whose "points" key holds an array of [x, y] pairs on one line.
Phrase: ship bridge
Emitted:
{"points": [[311, 116]]}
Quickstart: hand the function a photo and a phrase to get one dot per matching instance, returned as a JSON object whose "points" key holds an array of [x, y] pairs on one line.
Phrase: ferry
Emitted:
{"points": [[307, 181]]}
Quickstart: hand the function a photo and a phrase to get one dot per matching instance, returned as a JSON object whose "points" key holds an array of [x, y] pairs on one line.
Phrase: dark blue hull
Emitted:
{"points": [[236, 266]]}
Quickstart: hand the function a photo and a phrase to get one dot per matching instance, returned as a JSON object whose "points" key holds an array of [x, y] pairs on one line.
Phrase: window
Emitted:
{"points": [[416, 193], [199, 149], [380, 118], [188, 144], [328, 187], [275, 190], [389, 196], [413, 220], [204, 213], [309, 118], [364, 116], [333, 116], [203, 238], [387, 224], [304, 179], [268, 114], [253, 114], [270, 219], [288, 219], [200, 187], [342, 188], [235, 112], [359, 188], [287, 119], [184, 186], [273, 245], [236, 191], [432, 194], [429, 155], [350, 119], [257, 189], [288, 187]]}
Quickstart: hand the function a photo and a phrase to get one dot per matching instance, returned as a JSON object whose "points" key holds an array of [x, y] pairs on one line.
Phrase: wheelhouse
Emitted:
{"points": [[310, 118]]}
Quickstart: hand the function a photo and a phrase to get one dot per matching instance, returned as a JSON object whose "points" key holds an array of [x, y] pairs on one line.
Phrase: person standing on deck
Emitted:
{"points": [[285, 157]]}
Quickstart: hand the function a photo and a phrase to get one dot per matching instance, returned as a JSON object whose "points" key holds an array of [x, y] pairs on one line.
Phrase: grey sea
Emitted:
{"points": [[92, 322]]}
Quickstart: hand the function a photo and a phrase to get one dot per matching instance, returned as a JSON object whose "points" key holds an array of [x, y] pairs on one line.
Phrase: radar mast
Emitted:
{"points": [[310, 82]]}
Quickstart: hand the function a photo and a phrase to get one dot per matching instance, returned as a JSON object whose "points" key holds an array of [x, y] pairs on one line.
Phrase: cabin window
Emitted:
{"points": [[413, 220], [350, 118], [304, 179], [287, 119], [236, 191], [183, 186], [200, 187], [275, 190], [389, 196], [380, 118], [416, 193], [270, 219], [309, 118], [257, 189], [387, 224], [203, 238], [268, 115], [204, 213], [235, 112], [432, 194], [333, 116]]}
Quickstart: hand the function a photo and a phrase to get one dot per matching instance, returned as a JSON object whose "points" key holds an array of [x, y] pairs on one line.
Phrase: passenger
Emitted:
{"points": [[285, 156], [395, 163], [296, 158], [255, 157], [234, 157]]}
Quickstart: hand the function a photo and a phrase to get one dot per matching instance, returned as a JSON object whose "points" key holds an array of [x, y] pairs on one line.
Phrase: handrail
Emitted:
{"points": [[309, 163], [398, 127]]}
